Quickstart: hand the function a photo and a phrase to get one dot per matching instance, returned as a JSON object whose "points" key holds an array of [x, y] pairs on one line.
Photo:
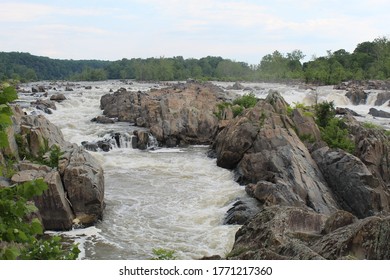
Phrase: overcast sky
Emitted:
{"points": [[242, 30]]}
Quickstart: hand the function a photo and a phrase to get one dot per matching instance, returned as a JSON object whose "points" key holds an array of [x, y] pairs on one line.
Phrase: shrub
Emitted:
{"points": [[163, 254], [324, 113], [246, 101], [336, 136]]}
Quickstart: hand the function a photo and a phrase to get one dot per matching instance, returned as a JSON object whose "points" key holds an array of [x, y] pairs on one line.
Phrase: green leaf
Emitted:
{"points": [[9, 94], [11, 253], [3, 139], [36, 227]]}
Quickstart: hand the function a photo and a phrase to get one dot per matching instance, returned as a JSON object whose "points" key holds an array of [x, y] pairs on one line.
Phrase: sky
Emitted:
{"points": [[241, 30]]}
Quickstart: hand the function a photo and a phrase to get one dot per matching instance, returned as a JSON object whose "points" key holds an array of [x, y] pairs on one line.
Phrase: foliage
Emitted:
{"points": [[324, 113], [163, 254], [7, 95], [369, 60], [246, 101], [336, 136], [370, 125], [20, 236]]}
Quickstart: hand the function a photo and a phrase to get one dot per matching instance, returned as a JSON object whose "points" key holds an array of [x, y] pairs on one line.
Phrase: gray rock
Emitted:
{"points": [[355, 187], [379, 113], [84, 183]]}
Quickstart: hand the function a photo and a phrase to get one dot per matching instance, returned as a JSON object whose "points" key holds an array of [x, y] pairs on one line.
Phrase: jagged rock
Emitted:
{"points": [[355, 187], [279, 233], [44, 105], [181, 114], [379, 113], [53, 207], [263, 148], [40, 133], [297, 233], [241, 211], [366, 239], [236, 86], [84, 183]]}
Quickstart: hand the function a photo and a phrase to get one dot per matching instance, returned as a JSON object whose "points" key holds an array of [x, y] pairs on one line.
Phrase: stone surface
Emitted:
{"points": [[357, 190], [263, 148], [180, 114], [84, 183]]}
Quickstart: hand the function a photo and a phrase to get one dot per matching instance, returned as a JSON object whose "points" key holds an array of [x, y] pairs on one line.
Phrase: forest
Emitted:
{"points": [[369, 60]]}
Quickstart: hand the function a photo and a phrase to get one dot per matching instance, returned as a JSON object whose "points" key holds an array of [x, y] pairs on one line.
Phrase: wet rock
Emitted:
{"points": [[346, 111], [103, 120], [357, 96], [241, 211], [58, 97], [379, 113], [382, 98]]}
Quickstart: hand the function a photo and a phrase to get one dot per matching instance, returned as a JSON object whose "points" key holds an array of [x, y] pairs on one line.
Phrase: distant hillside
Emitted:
{"points": [[369, 60]]}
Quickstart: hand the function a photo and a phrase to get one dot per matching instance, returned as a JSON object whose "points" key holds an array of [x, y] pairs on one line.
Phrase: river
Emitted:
{"points": [[175, 199]]}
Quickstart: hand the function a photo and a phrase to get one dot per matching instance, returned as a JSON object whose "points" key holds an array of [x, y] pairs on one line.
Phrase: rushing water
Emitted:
{"points": [[163, 198]]}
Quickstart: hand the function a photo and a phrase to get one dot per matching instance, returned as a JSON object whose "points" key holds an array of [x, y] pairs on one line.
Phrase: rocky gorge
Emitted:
{"points": [[304, 199], [314, 202]]}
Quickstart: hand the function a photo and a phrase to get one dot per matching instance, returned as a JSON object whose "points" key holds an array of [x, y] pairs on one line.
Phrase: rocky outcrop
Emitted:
{"points": [[75, 191], [382, 98], [356, 188], [53, 206], [296, 233], [181, 114], [263, 148], [84, 184], [379, 113]]}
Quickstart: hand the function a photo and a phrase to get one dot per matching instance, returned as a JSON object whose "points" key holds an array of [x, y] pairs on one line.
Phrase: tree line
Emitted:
{"points": [[369, 60]]}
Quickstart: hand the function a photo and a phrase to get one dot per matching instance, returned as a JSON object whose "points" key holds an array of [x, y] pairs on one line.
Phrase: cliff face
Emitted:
{"points": [[75, 193], [310, 200]]}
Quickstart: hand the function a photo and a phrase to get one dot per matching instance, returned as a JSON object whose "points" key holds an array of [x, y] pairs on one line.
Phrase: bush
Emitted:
{"points": [[324, 113], [246, 101], [163, 254], [336, 136]]}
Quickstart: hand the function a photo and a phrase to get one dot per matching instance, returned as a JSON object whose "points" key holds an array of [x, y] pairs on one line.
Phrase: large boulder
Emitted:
{"points": [[266, 153], [181, 114], [298, 233], [53, 206], [356, 188], [84, 184]]}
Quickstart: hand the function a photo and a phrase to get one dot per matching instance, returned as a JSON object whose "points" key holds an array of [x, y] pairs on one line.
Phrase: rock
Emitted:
{"points": [[279, 233], [241, 211], [346, 111], [366, 239], [306, 128], [44, 105], [88, 87], [36, 89], [263, 148], [181, 114], [40, 133], [382, 98], [84, 183], [378, 113], [58, 97], [142, 139], [357, 96], [294, 233], [355, 187], [338, 220], [52, 204], [236, 86], [103, 120], [68, 88]]}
